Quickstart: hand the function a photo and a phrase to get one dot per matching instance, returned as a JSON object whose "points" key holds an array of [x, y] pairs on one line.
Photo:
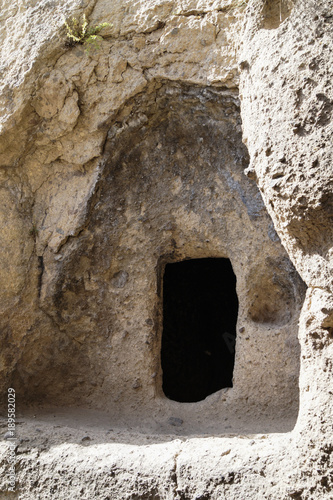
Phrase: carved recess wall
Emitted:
{"points": [[134, 158], [115, 163], [172, 186]]}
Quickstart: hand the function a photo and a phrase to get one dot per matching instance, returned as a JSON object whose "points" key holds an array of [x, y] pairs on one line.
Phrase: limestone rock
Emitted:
{"points": [[199, 128]]}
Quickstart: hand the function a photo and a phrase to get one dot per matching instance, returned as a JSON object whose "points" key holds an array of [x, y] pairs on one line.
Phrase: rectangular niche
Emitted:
{"points": [[200, 308]]}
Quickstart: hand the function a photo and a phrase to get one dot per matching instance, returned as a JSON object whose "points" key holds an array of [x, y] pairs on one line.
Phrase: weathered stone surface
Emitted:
{"points": [[114, 163]]}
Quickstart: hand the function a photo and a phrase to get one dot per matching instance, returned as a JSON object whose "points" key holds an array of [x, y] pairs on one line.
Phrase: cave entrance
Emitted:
{"points": [[200, 308]]}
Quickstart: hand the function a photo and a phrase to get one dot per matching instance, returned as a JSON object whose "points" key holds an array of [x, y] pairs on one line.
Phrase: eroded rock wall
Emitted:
{"points": [[133, 158], [58, 106], [286, 92], [118, 161]]}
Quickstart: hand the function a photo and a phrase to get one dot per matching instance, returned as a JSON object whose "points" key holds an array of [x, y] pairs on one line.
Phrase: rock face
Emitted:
{"points": [[198, 129]]}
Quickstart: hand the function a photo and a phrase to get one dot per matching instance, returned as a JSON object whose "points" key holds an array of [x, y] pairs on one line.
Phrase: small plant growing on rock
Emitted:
{"points": [[79, 33]]}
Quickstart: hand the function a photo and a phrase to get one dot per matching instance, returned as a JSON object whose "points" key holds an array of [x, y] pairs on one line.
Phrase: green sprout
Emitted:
{"points": [[79, 33]]}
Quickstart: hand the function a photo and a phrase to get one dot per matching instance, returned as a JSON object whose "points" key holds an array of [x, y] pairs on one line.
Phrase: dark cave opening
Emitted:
{"points": [[200, 308]]}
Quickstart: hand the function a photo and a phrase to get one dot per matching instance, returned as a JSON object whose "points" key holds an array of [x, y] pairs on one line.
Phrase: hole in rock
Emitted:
{"points": [[200, 308], [275, 12]]}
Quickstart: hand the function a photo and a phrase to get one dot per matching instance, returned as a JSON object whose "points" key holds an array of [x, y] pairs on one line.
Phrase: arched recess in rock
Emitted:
{"points": [[172, 187]]}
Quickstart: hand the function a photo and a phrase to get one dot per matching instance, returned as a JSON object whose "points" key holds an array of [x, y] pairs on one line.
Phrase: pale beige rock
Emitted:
{"points": [[114, 163], [15, 257], [51, 98]]}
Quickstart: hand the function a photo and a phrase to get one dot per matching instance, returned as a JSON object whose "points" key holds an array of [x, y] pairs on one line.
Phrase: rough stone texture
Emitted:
{"points": [[117, 162]]}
